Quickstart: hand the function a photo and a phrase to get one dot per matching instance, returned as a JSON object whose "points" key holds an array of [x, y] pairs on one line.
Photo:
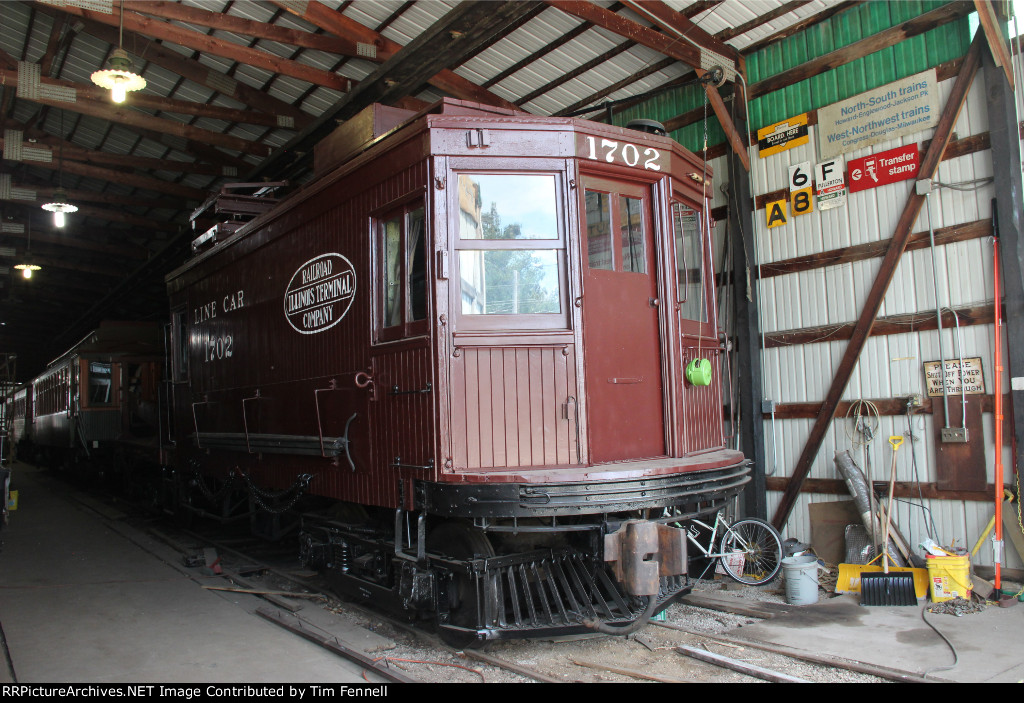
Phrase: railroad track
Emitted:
{"points": [[667, 652]]}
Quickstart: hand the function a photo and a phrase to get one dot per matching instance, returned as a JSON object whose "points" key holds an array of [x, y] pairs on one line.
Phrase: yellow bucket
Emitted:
{"points": [[950, 577], [12, 502]]}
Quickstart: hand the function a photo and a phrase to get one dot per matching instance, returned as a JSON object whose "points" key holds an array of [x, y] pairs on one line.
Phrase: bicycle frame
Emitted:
{"points": [[719, 520]]}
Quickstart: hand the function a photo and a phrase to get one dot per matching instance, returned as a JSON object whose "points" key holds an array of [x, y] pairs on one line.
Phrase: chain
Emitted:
{"points": [[210, 495], [297, 489]]}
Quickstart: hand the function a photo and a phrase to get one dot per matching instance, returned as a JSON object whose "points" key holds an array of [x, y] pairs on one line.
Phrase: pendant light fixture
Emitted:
{"points": [[27, 267], [119, 78], [60, 205]]}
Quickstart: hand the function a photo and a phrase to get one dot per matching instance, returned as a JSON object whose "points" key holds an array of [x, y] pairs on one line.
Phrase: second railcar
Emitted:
{"points": [[490, 338], [98, 405]]}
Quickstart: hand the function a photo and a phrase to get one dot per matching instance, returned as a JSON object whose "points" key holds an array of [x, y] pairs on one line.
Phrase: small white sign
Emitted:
{"points": [[973, 382], [829, 184]]}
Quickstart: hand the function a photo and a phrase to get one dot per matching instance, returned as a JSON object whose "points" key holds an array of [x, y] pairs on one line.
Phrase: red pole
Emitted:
{"points": [[998, 390]]}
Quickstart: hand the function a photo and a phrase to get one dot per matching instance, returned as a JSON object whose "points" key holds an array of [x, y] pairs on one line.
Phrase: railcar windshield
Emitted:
{"points": [[510, 247]]}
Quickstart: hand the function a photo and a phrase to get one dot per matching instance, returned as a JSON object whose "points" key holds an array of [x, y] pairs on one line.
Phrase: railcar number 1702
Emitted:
{"points": [[629, 154]]}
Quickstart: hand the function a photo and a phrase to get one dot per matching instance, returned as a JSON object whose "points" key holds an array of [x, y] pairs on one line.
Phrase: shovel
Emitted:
{"points": [[884, 588]]}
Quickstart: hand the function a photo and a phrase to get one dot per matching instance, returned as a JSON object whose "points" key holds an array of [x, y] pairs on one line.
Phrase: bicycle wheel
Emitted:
{"points": [[761, 547]]}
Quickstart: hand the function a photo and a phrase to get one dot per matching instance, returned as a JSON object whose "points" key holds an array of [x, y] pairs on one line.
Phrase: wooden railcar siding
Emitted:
{"points": [[702, 405], [288, 368], [508, 406]]}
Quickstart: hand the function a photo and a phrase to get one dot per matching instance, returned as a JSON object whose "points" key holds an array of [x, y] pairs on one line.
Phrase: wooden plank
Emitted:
{"points": [[822, 659], [876, 42], [903, 489], [245, 27], [336, 23], [870, 250], [736, 606], [991, 25], [175, 34], [873, 302], [203, 75], [669, 46], [737, 665], [893, 324], [510, 666], [630, 672], [679, 25]]}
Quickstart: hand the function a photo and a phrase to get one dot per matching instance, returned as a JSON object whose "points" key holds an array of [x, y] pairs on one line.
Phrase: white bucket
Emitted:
{"points": [[801, 575]]}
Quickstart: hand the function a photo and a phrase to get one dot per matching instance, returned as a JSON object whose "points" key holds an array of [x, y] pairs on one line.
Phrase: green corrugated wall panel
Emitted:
{"points": [[914, 55]]}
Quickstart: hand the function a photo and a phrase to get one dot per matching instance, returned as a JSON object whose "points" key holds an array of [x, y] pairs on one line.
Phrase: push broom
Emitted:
{"points": [[884, 588]]}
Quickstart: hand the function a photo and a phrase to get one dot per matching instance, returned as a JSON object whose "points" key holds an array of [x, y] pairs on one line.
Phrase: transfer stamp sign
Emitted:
{"points": [[889, 111], [885, 167], [968, 380]]}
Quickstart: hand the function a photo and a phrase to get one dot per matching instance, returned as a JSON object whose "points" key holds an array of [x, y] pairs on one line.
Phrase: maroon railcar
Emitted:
{"points": [[473, 335]]}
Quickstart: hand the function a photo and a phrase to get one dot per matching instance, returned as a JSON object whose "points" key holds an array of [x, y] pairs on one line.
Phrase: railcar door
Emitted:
{"points": [[702, 400], [621, 335]]}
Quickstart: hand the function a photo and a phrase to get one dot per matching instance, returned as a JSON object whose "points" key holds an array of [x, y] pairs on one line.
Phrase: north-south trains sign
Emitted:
{"points": [[320, 293]]}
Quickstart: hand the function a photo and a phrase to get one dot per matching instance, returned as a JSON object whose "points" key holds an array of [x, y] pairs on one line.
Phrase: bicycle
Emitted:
{"points": [[757, 541]]}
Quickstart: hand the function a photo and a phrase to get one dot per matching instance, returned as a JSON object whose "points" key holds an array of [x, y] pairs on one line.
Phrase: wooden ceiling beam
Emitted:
{"points": [[134, 180], [45, 192], [682, 28], [761, 20], [338, 24], [164, 31], [122, 115], [991, 24], [331, 44], [196, 72], [625, 27], [72, 152]]}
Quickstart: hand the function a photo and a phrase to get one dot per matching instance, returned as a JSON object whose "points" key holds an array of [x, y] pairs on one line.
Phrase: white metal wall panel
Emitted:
{"points": [[890, 366]]}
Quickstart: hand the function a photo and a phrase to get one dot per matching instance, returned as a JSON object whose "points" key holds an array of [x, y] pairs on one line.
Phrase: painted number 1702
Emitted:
{"points": [[218, 347], [622, 152]]}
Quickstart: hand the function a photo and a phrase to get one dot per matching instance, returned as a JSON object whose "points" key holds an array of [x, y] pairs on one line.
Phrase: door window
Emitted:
{"points": [[689, 262]]}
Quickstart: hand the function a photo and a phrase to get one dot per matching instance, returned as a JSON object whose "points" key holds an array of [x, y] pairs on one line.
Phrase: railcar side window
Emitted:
{"points": [[403, 247], [511, 250], [100, 384], [689, 262]]}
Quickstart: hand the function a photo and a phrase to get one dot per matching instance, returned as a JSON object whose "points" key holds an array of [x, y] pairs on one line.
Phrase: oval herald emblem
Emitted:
{"points": [[320, 293]]}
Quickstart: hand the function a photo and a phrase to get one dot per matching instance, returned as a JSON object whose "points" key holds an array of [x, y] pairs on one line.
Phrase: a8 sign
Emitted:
{"points": [[800, 188]]}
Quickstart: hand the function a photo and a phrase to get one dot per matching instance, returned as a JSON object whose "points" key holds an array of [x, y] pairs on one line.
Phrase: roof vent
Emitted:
{"points": [[649, 126]]}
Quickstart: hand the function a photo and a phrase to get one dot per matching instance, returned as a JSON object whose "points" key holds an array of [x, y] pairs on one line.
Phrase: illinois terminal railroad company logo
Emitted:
{"points": [[320, 293]]}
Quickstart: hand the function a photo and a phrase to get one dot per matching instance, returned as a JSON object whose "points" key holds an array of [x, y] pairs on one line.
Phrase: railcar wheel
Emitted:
{"points": [[460, 540]]}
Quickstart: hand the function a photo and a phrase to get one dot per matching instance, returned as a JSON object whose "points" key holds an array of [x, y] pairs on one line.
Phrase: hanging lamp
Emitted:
{"points": [[60, 205], [27, 265], [119, 78]]}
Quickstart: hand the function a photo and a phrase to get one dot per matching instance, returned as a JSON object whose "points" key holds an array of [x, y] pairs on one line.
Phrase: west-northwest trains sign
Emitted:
{"points": [[320, 293]]}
